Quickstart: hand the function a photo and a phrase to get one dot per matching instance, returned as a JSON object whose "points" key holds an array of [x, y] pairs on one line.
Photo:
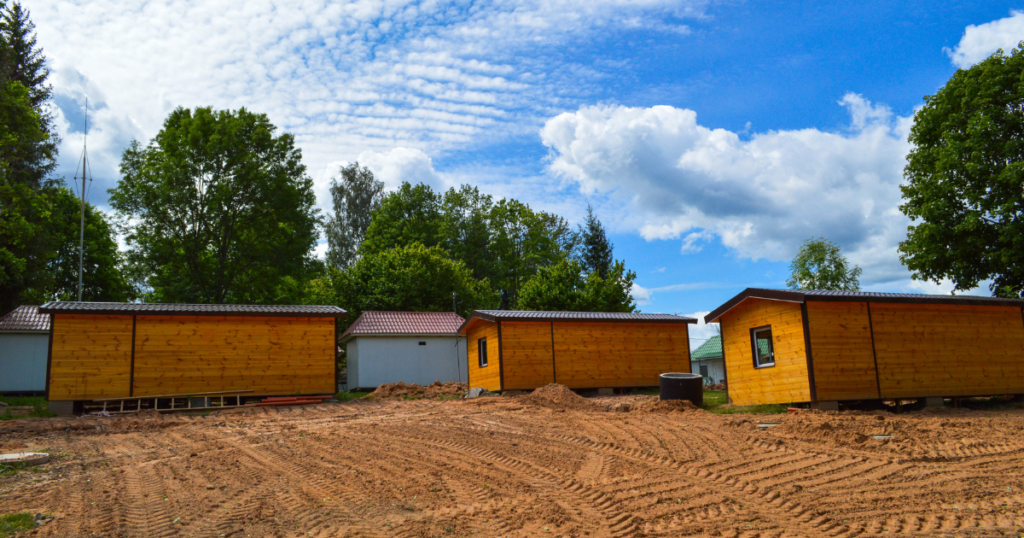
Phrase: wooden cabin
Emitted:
{"points": [[824, 347], [117, 350], [524, 350]]}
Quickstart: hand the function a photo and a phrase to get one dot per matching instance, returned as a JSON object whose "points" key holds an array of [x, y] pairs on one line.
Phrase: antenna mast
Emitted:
{"points": [[81, 237]]}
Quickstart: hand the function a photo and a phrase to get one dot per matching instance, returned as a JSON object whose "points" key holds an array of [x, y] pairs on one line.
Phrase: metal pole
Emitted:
{"points": [[81, 237]]}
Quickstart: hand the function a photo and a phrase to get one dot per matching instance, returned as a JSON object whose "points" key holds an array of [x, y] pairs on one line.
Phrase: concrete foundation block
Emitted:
{"points": [[606, 392], [935, 401], [64, 408], [829, 405]]}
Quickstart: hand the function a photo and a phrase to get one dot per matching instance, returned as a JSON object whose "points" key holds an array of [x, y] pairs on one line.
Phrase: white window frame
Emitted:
{"points": [[771, 346]]}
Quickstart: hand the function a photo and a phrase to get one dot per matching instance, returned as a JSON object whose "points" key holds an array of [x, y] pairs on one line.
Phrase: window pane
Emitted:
{"points": [[481, 350], [763, 343]]}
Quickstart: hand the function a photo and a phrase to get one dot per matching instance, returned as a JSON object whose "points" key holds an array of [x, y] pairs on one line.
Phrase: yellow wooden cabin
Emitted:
{"points": [[120, 350], [523, 350], [824, 347]]}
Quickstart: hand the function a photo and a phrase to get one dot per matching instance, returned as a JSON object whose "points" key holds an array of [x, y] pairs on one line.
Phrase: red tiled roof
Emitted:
{"points": [[25, 318], [379, 323]]}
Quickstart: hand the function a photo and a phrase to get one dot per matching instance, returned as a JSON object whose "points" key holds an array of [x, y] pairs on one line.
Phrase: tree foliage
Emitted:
{"points": [[355, 199], [408, 215], [595, 248], [566, 286], [965, 179], [221, 209], [412, 277], [820, 265]]}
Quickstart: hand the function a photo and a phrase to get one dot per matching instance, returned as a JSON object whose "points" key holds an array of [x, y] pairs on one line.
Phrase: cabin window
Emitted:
{"points": [[704, 370], [761, 344], [423, 343], [481, 351]]}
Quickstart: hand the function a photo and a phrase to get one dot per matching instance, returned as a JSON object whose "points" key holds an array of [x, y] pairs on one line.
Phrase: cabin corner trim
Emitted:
{"points": [[807, 350]]}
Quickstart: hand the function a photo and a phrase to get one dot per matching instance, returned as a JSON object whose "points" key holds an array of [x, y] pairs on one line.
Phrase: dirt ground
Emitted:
{"points": [[546, 464]]}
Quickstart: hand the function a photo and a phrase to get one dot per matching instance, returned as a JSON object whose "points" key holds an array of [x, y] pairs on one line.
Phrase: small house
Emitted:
{"points": [[707, 361], [523, 350], [824, 347], [120, 350], [24, 340], [411, 347]]}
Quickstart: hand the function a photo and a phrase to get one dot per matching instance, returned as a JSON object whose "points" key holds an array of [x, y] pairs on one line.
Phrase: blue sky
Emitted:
{"points": [[711, 137]]}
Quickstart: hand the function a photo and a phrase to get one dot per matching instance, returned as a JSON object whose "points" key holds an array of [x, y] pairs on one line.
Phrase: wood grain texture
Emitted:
{"points": [[526, 350], [268, 355], [948, 350], [490, 376], [594, 354], [785, 382], [90, 357], [844, 363]]}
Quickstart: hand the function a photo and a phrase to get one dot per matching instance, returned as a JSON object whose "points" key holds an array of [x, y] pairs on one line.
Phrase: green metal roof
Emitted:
{"points": [[712, 349]]}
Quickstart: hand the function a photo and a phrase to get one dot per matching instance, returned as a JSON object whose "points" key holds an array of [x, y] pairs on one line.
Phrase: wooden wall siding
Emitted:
{"points": [[268, 355], [489, 377], [785, 382], [948, 350], [526, 350], [593, 355], [91, 357], [844, 363]]}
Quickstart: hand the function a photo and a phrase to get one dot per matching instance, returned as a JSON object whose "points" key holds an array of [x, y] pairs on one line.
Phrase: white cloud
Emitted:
{"points": [[761, 197], [344, 77], [640, 294], [691, 243], [659, 270], [979, 42], [701, 332], [402, 164]]}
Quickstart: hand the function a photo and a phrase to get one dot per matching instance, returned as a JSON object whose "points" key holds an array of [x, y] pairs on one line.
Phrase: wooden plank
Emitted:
{"points": [[844, 364], [489, 377], [90, 357], [594, 354]]}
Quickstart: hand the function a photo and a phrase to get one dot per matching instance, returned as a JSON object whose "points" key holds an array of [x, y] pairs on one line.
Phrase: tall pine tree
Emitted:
{"points": [[595, 249]]}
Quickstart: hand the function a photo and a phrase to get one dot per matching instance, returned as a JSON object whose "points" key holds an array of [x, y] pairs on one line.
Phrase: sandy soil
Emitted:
{"points": [[547, 464]]}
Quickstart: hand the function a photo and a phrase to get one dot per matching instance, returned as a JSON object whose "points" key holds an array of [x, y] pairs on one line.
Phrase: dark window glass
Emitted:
{"points": [[481, 351], [423, 343], [764, 351]]}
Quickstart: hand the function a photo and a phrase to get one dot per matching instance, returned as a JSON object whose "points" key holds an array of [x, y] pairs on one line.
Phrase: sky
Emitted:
{"points": [[712, 138]]}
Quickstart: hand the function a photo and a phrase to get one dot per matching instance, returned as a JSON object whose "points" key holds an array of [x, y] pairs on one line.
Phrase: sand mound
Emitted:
{"points": [[557, 396], [412, 391]]}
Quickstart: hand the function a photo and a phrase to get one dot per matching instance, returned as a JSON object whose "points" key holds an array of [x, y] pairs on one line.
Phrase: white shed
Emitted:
{"points": [[412, 347], [24, 347]]}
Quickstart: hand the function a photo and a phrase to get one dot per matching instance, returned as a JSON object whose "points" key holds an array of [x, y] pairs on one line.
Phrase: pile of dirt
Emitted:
{"points": [[412, 391], [555, 396], [717, 387]]}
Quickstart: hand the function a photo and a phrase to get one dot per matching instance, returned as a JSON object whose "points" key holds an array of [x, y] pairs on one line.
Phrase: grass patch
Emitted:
{"points": [[444, 397], [717, 402], [12, 523], [349, 396], [40, 408]]}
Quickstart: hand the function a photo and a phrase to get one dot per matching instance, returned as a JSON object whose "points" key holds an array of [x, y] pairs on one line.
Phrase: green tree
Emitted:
{"points": [[22, 61], [465, 229], [565, 286], [102, 276], [595, 249], [219, 209], [820, 265], [355, 199], [412, 277], [412, 214], [965, 179], [521, 243]]}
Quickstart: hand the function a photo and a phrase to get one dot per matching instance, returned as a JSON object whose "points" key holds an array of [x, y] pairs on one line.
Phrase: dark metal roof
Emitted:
{"points": [[161, 309], [802, 296], [25, 318], [537, 315], [404, 323]]}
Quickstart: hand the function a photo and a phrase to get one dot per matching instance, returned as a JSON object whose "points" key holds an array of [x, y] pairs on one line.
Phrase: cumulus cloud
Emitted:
{"points": [[979, 42], [640, 294], [761, 197], [701, 332], [402, 165]]}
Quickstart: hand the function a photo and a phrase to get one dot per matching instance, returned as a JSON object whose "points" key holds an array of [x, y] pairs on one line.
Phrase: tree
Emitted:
{"points": [[965, 178], [595, 249], [465, 229], [521, 243], [102, 277], [22, 61], [565, 286], [218, 209], [412, 277], [409, 215], [820, 265], [355, 198]]}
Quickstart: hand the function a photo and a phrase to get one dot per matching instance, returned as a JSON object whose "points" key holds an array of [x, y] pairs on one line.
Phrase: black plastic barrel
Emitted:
{"points": [[683, 387]]}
